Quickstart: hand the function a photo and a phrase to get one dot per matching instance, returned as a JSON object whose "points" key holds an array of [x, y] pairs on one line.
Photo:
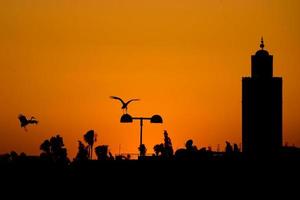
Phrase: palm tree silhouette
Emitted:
{"points": [[124, 104], [24, 121], [90, 138]]}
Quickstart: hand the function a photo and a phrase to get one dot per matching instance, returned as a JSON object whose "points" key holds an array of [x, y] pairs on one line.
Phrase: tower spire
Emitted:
{"points": [[262, 45]]}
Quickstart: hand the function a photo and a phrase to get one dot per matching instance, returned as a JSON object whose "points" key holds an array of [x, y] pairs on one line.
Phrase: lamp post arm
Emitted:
{"points": [[142, 118]]}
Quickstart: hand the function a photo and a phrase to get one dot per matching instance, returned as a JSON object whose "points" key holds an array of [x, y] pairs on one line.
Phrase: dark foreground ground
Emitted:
{"points": [[154, 177]]}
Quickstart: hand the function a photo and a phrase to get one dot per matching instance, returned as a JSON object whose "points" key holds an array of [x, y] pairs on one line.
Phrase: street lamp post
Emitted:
{"points": [[141, 126], [126, 118]]}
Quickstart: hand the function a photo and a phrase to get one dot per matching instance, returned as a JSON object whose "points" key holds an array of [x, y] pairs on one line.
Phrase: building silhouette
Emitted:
{"points": [[261, 108]]}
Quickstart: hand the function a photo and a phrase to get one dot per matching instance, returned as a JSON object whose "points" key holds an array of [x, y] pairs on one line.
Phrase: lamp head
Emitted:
{"points": [[156, 119], [126, 118]]}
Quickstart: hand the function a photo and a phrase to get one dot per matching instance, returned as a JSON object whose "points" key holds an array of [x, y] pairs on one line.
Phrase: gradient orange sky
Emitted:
{"points": [[60, 60]]}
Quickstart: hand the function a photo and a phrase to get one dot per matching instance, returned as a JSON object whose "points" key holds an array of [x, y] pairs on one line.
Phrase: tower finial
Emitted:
{"points": [[262, 45]]}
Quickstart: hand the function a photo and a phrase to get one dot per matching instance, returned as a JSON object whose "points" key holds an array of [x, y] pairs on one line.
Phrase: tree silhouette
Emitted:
{"points": [[111, 157], [228, 148], [102, 152], [90, 139], [189, 146], [143, 150], [45, 147], [158, 149], [168, 149], [165, 150], [82, 154], [190, 152], [53, 150], [236, 148], [13, 156]]}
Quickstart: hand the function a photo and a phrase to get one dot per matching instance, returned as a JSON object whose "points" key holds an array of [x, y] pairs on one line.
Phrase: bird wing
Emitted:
{"points": [[131, 101], [33, 120], [22, 118], [118, 98]]}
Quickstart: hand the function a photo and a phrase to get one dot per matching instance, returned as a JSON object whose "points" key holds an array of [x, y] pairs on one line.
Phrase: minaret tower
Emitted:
{"points": [[261, 108]]}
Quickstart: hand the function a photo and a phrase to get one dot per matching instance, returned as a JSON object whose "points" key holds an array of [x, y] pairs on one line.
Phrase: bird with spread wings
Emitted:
{"points": [[124, 104], [24, 121]]}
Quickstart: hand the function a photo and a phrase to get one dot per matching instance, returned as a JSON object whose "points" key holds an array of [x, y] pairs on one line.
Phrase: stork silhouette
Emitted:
{"points": [[24, 121], [124, 105]]}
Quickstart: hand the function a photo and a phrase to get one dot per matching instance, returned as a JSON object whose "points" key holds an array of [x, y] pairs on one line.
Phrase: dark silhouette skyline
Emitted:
{"points": [[61, 60], [261, 127], [260, 68]]}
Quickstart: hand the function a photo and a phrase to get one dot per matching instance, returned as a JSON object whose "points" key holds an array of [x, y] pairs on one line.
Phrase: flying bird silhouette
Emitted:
{"points": [[124, 105], [24, 121]]}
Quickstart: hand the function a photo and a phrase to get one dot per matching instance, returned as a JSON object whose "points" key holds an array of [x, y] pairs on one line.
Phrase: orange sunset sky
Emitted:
{"points": [[60, 60]]}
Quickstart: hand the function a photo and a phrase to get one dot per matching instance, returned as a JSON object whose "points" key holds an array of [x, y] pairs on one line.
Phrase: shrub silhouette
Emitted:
{"points": [[53, 150], [82, 154], [102, 152]]}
